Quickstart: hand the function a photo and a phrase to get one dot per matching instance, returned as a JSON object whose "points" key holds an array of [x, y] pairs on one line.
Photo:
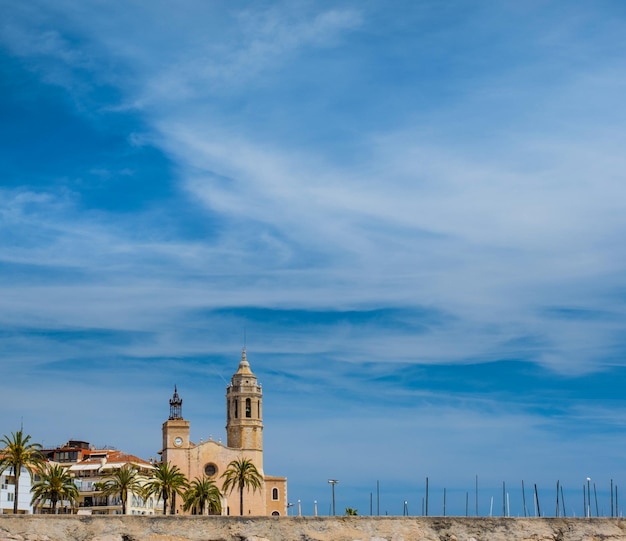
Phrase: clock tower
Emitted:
{"points": [[175, 430]]}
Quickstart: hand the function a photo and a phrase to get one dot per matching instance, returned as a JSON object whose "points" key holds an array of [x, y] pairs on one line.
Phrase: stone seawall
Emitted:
{"points": [[160, 528]]}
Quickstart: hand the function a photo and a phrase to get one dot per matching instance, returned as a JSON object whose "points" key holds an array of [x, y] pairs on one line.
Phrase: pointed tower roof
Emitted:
{"points": [[244, 365]]}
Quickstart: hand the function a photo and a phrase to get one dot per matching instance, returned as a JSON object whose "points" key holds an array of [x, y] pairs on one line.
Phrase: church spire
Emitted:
{"points": [[244, 365], [176, 406]]}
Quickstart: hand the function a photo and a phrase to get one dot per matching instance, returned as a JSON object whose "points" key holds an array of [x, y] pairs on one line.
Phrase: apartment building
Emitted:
{"points": [[89, 466], [7, 492]]}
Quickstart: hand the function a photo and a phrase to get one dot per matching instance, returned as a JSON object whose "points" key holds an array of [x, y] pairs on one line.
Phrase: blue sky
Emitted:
{"points": [[414, 210]]}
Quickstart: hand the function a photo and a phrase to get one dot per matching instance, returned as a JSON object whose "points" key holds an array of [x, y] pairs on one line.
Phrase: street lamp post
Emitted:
{"points": [[332, 483], [588, 498]]}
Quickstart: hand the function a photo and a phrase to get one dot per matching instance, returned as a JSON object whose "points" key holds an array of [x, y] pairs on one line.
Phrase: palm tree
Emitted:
{"points": [[122, 481], [18, 453], [203, 493], [351, 512], [167, 481], [242, 474], [55, 484]]}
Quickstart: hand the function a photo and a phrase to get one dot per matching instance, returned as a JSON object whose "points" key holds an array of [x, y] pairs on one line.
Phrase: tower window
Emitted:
{"points": [[236, 409], [275, 494], [248, 407]]}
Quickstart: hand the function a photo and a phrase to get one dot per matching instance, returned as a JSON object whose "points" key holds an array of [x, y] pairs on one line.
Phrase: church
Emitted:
{"points": [[244, 430]]}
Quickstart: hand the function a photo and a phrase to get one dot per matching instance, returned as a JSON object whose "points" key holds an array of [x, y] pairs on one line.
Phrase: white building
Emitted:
{"points": [[7, 492]]}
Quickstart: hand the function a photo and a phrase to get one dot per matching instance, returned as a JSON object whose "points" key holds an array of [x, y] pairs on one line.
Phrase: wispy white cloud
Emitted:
{"points": [[485, 200], [264, 41]]}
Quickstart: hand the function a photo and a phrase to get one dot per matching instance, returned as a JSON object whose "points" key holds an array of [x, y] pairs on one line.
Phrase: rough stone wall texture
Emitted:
{"points": [[170, 528]]}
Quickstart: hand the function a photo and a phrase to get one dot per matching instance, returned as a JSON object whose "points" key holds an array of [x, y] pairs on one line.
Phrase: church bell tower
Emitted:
{"points": [[175, 430], [244, 409]]}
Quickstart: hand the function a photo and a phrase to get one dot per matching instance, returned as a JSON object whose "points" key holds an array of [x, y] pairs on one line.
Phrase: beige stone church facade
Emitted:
{"points": [[244, 430]]}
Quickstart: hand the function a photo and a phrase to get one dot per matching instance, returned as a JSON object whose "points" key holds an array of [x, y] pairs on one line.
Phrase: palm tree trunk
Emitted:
{"points": [[241, 501], [165, 505], [17, 489]]}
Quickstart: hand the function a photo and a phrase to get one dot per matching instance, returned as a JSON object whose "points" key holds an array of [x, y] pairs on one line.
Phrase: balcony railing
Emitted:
{"points": [[98, 504]]}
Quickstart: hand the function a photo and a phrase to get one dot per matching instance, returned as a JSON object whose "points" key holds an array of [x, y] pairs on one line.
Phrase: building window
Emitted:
{"points": [[10, 496], [210, 470], [275, 514], [274, 494], [66, 456], [248, 408], [236, 409]]}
